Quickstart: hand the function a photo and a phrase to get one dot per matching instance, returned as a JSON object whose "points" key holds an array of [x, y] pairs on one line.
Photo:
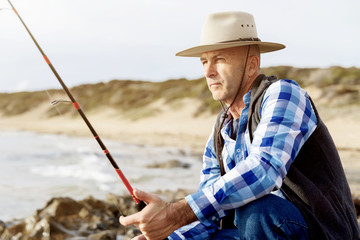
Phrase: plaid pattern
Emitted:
{"points": [[252, 170]]}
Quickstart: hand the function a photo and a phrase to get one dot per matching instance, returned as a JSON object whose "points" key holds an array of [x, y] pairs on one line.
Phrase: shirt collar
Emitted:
{"points": [[226, 128]]}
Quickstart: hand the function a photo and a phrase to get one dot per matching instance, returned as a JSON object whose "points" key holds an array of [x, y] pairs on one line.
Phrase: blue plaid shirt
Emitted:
{"points": [[252, 169]]}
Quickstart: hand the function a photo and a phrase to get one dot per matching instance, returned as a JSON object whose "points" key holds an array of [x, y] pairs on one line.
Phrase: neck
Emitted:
{"points": [[236, 109], [238, 105]]}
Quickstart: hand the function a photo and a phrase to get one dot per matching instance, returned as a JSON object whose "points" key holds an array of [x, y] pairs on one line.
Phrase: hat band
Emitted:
{"points": [[243, 40]]}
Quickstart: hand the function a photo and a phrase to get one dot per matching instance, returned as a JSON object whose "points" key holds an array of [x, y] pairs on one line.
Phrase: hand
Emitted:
{"points": [[159, 218], [154, 220]]}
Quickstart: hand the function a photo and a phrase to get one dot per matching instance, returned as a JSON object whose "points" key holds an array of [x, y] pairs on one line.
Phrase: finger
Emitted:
{"points": [[129, 220], [144, 196], [140, 237]]}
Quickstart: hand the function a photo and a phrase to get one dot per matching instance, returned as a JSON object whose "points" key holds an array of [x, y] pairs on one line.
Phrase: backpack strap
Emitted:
{"points": [[258, 91], [219, 140]]}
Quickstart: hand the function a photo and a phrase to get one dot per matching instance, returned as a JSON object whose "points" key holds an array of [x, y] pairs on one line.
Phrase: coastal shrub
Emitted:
{"points": [[20, 102], [340, 75], [129, 96]]}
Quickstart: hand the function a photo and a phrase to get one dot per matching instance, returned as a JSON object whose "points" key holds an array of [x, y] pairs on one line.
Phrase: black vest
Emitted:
{"points": [[315, 182]]}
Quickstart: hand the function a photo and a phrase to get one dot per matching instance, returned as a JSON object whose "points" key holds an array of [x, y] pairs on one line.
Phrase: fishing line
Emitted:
{"points": [[52, 102], [55, 102], [140, 204]]}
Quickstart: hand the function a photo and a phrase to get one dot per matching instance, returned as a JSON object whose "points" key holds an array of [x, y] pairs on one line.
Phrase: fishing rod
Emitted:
{"points": [[140, 204]]}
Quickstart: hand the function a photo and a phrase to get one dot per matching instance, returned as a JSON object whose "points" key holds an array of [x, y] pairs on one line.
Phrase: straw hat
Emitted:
{"points": [[229, 29]]}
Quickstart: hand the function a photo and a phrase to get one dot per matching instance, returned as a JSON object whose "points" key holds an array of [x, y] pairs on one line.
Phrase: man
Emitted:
{"points": [[269, 161]]}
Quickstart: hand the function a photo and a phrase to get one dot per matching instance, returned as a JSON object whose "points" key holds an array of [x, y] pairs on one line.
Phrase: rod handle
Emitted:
{"points": [[140, 206]]}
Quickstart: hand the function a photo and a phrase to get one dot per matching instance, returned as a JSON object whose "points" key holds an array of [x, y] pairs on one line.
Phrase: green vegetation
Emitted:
{"points": [[342, 76], [20, 102], [131, 96], [339, 86], [320, 77], [128, 95]]}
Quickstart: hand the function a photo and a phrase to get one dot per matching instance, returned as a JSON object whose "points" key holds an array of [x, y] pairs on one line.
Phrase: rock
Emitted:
{"points": [[6, 235], [2, 227], [60, 207], [65, 218], [84, 213], [125, 205], [169, 164], [104, 235], [131, 233], [172, 196], [41, 229], [18, 228]]}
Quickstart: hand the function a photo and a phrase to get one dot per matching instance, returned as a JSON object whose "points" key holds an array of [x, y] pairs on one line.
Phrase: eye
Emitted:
{"points": [[220, 59], [204, 62]]}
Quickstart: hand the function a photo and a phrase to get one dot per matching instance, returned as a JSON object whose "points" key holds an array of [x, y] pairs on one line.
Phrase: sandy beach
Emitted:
{"points": [[175, 125]]}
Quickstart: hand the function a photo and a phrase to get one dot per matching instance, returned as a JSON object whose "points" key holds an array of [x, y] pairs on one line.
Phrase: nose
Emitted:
{"points": [[210, 70]]}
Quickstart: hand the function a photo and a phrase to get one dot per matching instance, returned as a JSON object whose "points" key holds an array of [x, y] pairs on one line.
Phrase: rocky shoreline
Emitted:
{"points": [[90, 218]]}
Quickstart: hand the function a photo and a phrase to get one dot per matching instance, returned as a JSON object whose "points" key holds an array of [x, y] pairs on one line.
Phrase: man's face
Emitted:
{"points": [[223, 70]]}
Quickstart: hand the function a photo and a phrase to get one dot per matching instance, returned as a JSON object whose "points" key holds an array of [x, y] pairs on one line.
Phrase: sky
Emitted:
{"points": [[91, 41]]}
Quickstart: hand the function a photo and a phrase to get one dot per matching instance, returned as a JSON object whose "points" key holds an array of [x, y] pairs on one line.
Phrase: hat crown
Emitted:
{"points": [[228, 26], [227, 30]]}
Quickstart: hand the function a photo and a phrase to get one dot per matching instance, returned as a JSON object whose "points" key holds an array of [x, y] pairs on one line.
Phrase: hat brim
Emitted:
{"points": [[198, 50]]}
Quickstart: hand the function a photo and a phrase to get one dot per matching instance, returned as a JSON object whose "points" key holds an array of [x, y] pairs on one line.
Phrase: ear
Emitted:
{"points": [[253, 66]]}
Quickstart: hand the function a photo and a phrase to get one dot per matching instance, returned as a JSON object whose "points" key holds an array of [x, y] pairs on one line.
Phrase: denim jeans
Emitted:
{"points": [[270, 217]]}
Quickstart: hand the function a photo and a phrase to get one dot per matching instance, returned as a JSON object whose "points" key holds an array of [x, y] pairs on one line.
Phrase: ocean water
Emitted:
{"points": [[36, 167]]}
